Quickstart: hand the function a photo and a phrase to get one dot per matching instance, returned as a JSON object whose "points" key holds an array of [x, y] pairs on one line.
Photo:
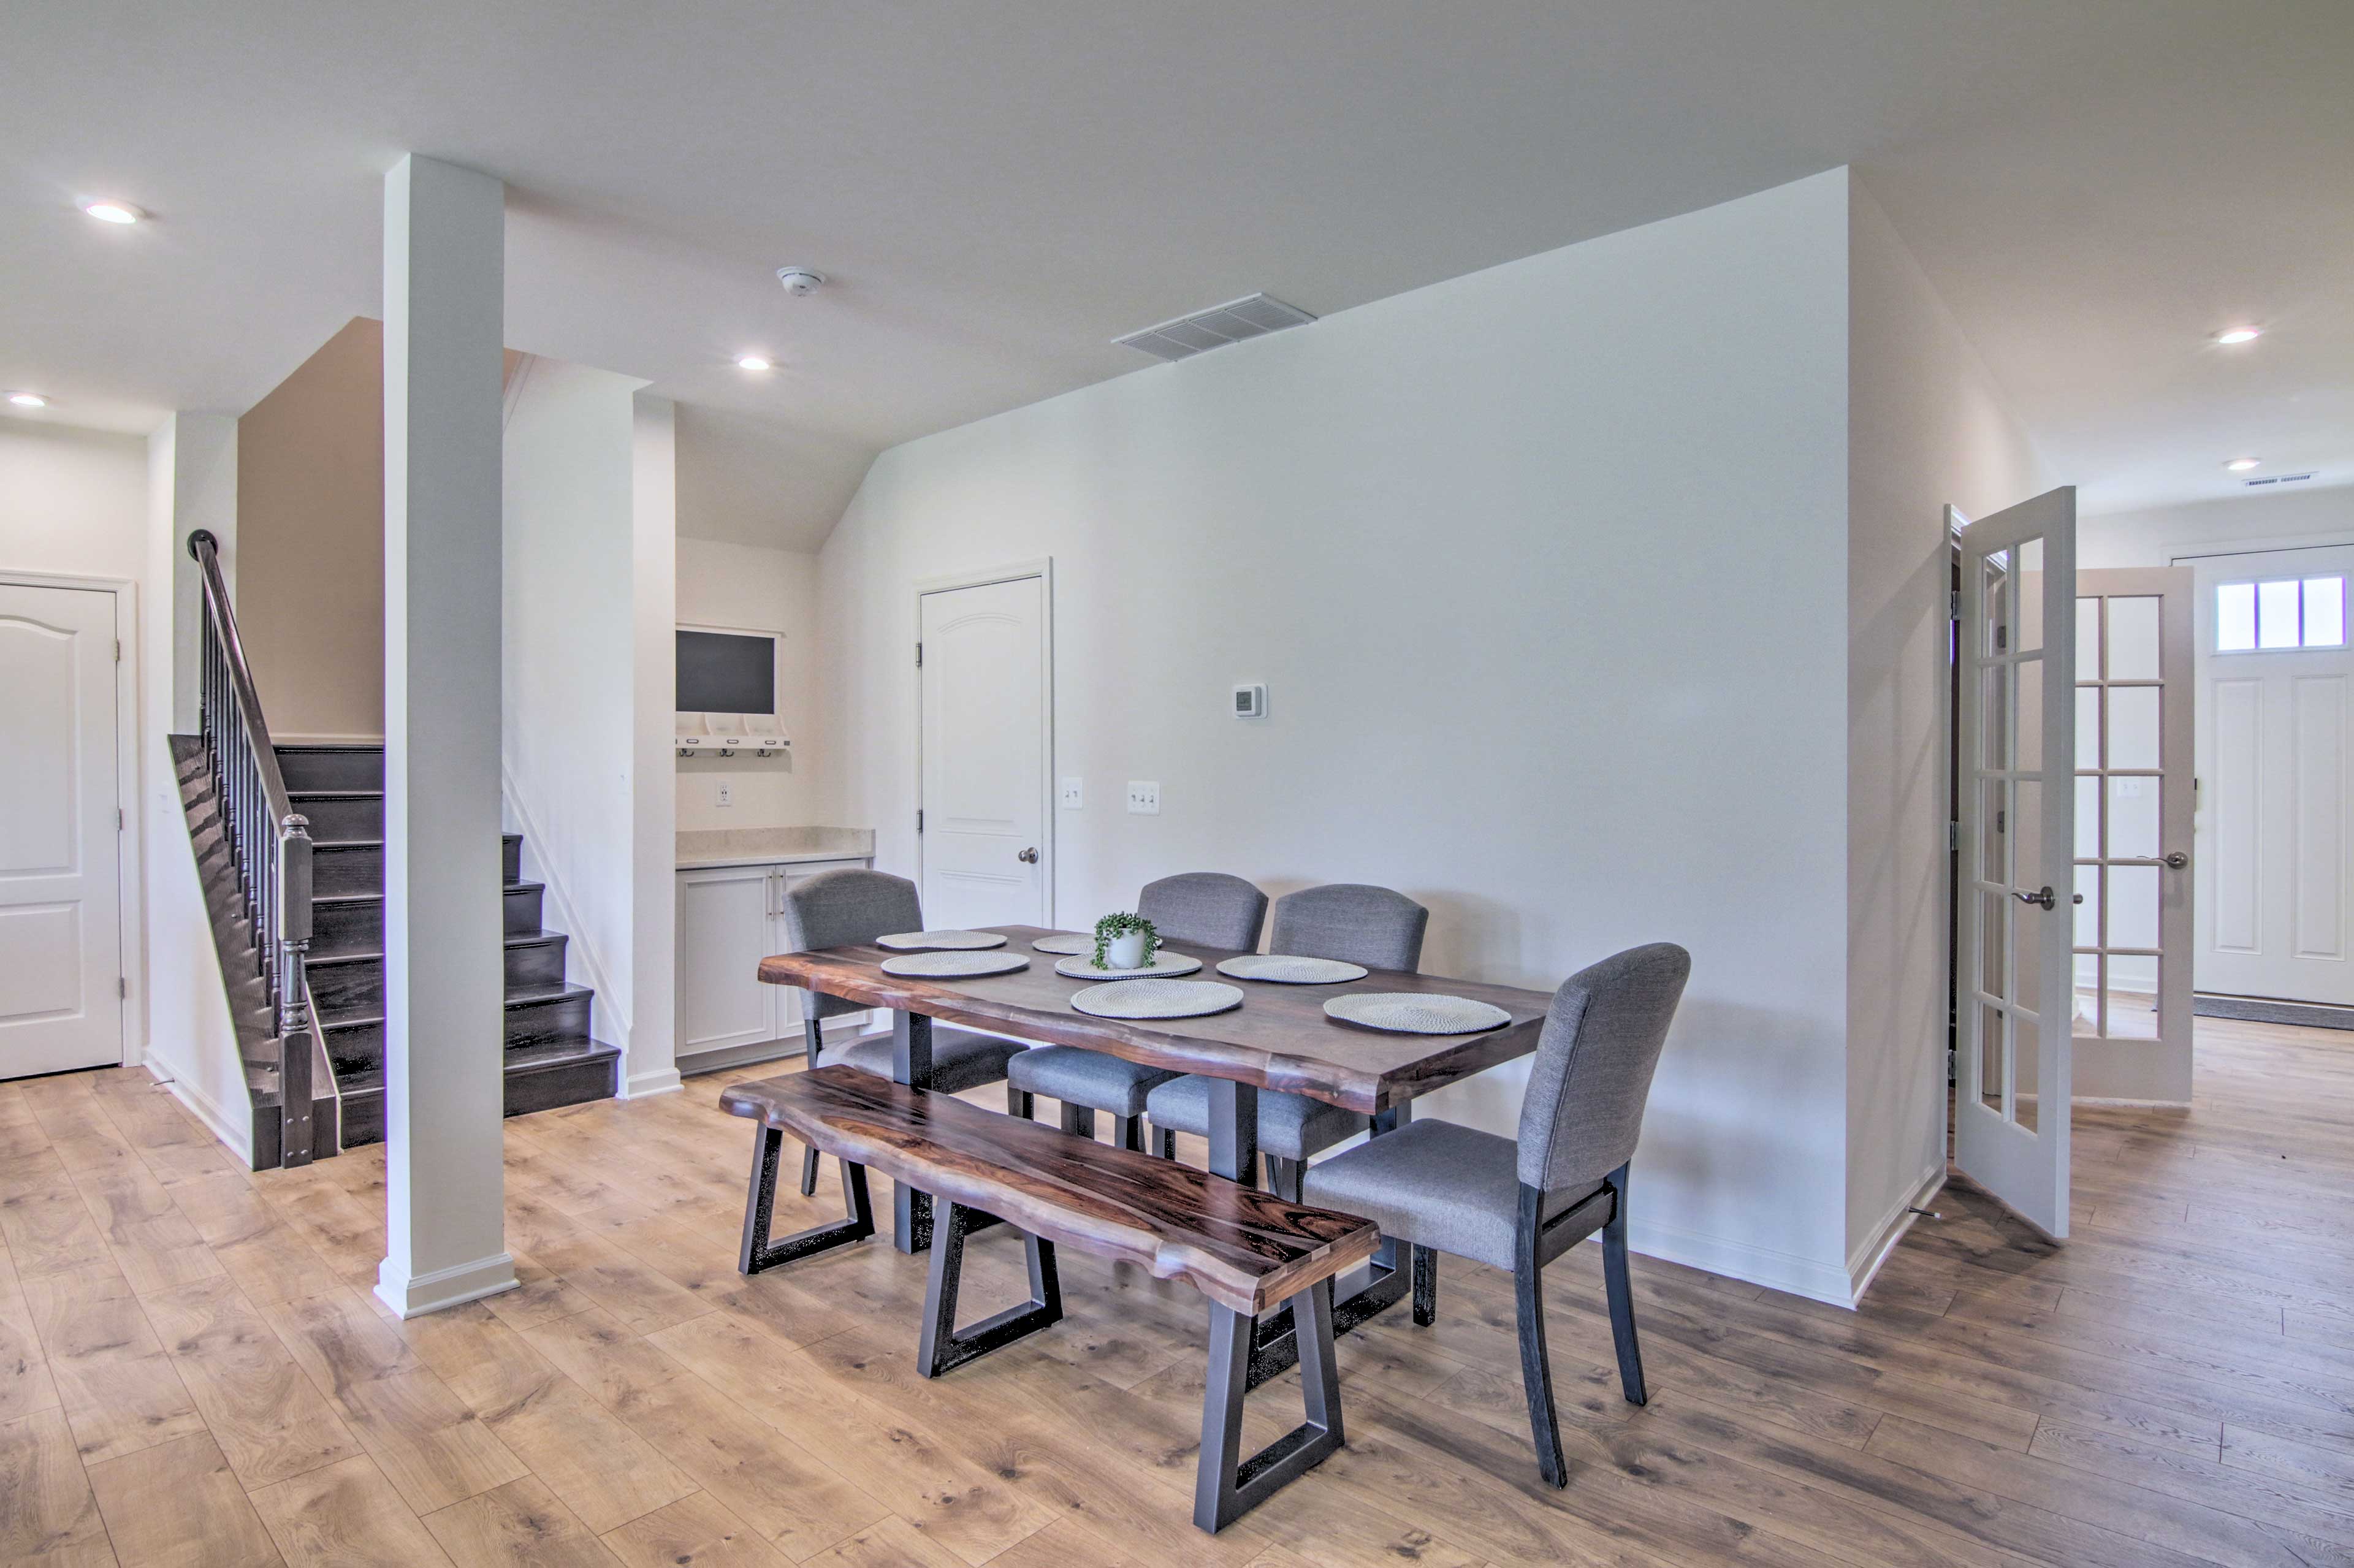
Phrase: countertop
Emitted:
{"points": [[771, 846]]}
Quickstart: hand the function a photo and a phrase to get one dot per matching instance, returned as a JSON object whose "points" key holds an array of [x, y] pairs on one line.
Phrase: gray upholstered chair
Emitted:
{"points": [[1200, 908], [1441, 1187], [1344, 920], [837, 908]]}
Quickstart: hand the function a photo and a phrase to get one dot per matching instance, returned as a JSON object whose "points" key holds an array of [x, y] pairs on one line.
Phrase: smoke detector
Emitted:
{"points": [[800, 280]]}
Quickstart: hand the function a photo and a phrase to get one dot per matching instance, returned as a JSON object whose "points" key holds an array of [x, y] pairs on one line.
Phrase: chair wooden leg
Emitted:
{"points": [[1283, 1177], [1079, 1119], [1536, 1369], [1425, 1287], [1127, 1131], [1621, 1290], [808, 1170], [1166, 1137], [1021, 1103], [812, 1041]]}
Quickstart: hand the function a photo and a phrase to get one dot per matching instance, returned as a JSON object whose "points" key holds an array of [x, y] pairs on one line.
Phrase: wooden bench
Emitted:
{"points": [[1246, 1251]]}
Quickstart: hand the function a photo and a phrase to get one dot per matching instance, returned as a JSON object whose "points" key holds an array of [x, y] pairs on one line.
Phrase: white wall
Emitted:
{"points": [[581, 590], [1927, 427], [1545, 569], [73, 501], [2257, 522], [752, 588]]}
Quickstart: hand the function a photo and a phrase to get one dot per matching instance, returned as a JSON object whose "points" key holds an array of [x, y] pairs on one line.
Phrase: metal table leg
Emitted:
{"points": [[911, 1063]]}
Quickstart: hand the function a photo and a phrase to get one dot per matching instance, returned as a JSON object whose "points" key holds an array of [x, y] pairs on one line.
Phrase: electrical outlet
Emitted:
{"points": [[1144, 797], [727, 792], [1075, 793]]}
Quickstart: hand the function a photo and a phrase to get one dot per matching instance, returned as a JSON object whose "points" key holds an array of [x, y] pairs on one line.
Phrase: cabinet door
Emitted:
{"points": [[724, 932]]}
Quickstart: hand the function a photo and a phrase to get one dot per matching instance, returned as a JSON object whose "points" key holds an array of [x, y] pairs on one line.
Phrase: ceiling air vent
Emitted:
{"points": [[2271, 480], [1254, 315]]}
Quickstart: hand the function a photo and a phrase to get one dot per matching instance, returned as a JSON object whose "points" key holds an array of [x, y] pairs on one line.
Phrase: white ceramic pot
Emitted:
{"points": [[1125, 952]]}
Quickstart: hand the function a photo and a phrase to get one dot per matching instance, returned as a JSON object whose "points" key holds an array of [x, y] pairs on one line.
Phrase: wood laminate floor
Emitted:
{"points": [[193, 1371]]}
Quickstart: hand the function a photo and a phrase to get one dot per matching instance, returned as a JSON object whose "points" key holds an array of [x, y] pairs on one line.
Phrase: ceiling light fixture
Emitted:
{"points": [[2241, 465], [754, 362], [112, 211], [2229, 336], [28, 399]]}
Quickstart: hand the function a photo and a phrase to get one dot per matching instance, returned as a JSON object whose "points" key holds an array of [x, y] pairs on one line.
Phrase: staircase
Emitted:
{"points": [[551, 1058]]}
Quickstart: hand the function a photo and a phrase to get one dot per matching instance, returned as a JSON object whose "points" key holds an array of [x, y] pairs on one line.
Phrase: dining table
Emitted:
{"points": [[1279, 1038]]}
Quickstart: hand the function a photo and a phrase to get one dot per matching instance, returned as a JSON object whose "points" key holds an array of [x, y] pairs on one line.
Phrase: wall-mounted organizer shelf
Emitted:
{"points": [[726, 734]]}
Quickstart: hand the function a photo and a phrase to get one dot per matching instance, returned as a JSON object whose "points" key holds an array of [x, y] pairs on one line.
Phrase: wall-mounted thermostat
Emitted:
{"points": [[1250, 702]]}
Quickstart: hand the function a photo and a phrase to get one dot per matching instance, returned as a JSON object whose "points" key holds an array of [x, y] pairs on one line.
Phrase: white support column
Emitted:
{"points": [[444, 282]]}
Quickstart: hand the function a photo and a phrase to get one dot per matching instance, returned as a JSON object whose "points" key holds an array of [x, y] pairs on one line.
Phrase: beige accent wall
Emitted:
{"points": [[310, 524]]}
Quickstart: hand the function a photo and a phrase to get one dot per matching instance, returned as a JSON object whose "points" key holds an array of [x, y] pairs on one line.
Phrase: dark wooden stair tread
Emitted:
{"points": [[324, 955], [1243, 1248]]}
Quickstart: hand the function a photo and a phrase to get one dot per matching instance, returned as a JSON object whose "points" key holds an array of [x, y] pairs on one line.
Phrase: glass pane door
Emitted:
{"points": [[2018, 649]]}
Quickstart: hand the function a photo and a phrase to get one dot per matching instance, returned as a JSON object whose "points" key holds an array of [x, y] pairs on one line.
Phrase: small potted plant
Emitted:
{"points": [[1125, 942]]}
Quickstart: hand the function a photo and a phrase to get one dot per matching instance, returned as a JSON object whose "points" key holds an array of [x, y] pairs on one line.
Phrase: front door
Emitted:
{"points": [[2276, 827], [2017, 650], [60, 936], [983, 830], [2134, 789]]}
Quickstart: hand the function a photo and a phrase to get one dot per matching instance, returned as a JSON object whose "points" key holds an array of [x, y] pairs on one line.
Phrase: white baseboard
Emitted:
{"points": [[1864, 1263], [413, 1296], [730, 1056], [661, 1082], [235, 1132], [1782, 1271]]}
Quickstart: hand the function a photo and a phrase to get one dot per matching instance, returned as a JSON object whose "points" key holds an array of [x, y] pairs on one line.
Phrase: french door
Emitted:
{"points": [[2016, 649], [2134, 804]]}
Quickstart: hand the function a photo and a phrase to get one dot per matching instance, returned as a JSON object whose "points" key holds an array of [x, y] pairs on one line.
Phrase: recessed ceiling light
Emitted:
{"points": [[28, 399], [2239, 335], [112, 211], [2241, 465], [754, 362]]}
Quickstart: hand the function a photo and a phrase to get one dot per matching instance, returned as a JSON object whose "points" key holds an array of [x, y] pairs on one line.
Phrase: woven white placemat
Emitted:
{"points": [[1073, 943], [1286, 969], [1157, 999], [941, 965], [1165, 965], [939, 942], [1416, 1012]]}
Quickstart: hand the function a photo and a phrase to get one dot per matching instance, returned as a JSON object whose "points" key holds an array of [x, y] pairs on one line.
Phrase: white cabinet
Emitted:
{"points": [[730, 918]]}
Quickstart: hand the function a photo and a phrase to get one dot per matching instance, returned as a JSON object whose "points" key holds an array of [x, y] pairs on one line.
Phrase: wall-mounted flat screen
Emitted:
{"points": [[727, 673]]}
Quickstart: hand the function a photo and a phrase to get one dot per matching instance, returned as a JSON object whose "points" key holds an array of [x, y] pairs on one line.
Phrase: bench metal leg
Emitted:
{"points": [[911, 1063], [1227, 1486], [942, 1348], [759, 1208]]}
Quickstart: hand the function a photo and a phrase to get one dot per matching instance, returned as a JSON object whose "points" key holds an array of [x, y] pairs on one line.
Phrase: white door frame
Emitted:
{"points": [[1043, 569], [129, 858]]}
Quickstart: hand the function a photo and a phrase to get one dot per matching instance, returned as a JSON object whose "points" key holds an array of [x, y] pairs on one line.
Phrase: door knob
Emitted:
{"points": [[1028, 857], [2044, 898]]}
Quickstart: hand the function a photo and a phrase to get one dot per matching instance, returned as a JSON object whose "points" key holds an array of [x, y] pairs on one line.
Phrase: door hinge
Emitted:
{"points": [[919, 820], [1953, 604], [1953, 835], [919, 655], [118, 650], [119, 824], [123, 987]]}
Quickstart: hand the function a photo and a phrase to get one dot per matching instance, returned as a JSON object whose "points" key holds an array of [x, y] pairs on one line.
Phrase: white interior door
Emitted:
{"points": [[2017, 645], [2276, 837], [2135, 685], [60, 936], [984, 675]]}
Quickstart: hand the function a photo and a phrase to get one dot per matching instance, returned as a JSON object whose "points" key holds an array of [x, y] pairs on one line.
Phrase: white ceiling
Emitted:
{"points": [[2095, 185]]}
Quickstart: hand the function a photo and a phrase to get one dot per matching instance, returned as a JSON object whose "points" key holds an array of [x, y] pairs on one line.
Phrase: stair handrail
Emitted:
{"points": [[270, 840]]}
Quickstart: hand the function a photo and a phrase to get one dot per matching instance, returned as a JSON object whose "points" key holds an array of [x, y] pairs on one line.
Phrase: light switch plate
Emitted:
{"points": [[1144, 797], [1074, 797], [727, 792]]}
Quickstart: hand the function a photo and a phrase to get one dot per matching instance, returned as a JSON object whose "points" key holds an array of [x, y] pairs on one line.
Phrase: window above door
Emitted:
{"points": [[2280, 615]]}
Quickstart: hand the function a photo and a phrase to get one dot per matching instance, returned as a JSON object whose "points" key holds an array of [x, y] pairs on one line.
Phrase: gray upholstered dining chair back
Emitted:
{"points": [[1352, 923], [1207, 908], [836, 908], [1595, 1059]]}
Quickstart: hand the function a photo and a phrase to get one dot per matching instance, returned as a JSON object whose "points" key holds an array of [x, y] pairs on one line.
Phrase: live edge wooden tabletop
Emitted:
{"points": [[1279, 1038]]}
